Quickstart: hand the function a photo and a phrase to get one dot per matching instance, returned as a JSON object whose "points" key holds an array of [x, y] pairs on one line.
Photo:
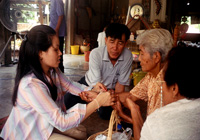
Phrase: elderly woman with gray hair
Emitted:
{"points": [[154, 46]]}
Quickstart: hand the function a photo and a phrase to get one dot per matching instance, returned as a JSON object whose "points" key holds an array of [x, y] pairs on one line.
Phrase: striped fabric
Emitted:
{"points": [[36, 114]]}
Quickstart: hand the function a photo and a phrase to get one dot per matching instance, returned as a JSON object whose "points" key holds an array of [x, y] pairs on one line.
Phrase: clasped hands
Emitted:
{"points": [[99, 92], [109, 98]]}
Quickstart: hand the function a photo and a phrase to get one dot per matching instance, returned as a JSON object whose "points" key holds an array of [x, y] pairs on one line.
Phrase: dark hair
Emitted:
{"points": [[116, 30], [183, 69], [39, 38]]}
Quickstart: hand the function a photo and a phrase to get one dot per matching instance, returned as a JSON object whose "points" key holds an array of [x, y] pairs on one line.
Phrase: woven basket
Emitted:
{"points": [[114, 120]]}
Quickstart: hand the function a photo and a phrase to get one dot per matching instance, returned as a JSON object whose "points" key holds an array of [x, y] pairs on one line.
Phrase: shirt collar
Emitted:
{"points": [[158, 76], [106, 57]]}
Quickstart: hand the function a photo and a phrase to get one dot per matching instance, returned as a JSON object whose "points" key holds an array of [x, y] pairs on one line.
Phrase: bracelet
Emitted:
{"points": [[100, 92], [97, 104]]}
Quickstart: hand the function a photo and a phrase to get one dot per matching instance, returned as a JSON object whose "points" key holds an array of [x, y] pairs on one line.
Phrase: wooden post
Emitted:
{"points": [[70, 26], [41, 14], [4, 37]]}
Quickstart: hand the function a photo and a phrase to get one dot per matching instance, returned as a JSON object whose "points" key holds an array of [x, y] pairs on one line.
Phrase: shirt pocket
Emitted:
{"points": [[115, 78]]}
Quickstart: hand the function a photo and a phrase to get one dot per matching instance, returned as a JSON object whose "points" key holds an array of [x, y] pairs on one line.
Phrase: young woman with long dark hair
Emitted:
{"points": [[38, 103]]}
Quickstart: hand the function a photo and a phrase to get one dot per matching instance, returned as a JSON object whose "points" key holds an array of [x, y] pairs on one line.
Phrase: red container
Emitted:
{"points": [[87, 54]]}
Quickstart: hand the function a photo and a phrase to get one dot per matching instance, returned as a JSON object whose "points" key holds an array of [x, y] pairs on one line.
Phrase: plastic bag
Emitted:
{"points": [[101, 137], [125, 135]]}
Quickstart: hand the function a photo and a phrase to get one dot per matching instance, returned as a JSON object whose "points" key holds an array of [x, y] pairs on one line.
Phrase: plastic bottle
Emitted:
{"points": [[132, 37], [119, 128]]}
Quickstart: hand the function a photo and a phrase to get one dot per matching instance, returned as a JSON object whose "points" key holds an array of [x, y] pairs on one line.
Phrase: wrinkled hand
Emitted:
{"points": [[88, 96], [106, 98], [118, 107], [99, 87]]}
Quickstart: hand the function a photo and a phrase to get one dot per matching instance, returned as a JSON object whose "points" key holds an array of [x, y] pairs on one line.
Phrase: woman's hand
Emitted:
{"points": [[99, 87], [106, 98], [88, 96]]}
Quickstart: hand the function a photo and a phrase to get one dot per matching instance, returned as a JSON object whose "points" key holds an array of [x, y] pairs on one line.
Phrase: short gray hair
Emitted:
{"points": [[154, 40]]}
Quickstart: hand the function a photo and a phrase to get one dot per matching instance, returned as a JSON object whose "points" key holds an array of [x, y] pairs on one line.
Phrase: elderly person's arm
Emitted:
{"points": [[123, 95], [136, 116], [138, 92], [120, 112], [121, 99]]}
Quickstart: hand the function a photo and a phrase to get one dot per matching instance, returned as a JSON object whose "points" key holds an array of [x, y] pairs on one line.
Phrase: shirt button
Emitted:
{"points": [[110, 67]]}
